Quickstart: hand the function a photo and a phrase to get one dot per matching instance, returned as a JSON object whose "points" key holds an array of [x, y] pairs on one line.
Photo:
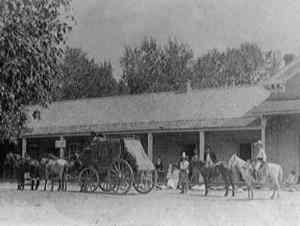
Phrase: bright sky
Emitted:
{"points": [[105, 26]]}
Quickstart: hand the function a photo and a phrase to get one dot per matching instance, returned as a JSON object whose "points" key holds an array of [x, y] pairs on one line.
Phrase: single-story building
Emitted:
{"points": [[228, 119]]}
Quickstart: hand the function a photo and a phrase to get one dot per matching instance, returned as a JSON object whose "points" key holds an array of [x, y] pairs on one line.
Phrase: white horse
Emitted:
{"points": [[273, 174]]}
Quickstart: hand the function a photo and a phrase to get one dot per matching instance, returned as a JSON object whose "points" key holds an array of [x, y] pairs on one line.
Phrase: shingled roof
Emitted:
{"points": [[285, 73], [206, 108]]}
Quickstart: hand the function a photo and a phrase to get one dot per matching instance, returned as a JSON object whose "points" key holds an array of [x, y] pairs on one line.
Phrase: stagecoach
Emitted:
{"points": [[115, 165]]}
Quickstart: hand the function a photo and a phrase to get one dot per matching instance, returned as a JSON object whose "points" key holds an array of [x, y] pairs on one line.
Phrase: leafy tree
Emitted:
{"points": [[83, 77], [153, 68], [32, 38], [288, 58], [245, 65]]}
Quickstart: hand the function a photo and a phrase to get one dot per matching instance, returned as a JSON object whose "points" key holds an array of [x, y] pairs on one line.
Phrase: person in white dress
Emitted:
{"points": [[172, 177]]}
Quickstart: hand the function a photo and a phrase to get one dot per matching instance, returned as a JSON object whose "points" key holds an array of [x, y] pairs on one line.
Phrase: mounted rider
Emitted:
{"points": [[261, 157], [210, 157]]}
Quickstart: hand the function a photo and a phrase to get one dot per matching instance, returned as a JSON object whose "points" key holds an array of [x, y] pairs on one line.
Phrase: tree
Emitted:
{"points": [[288, 58], [83, 77], [150, 67], [245, 65], [32, 39]]}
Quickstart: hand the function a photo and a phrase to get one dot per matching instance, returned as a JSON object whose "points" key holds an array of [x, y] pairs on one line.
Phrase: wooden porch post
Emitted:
{"points": [[201, 145], [24, 145], [150, 146], [62, 148], [263, 130]]}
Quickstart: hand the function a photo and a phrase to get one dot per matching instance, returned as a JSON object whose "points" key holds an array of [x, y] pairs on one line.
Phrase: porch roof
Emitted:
{"points": [[273, 107], [206, 108]]}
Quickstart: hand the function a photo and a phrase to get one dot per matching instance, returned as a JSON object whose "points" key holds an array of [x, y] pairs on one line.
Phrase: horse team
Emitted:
{"points": [[51, 168]]}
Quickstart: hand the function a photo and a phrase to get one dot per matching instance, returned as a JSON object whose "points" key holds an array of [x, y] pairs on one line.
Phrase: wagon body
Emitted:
{"points": [[114, 165]]}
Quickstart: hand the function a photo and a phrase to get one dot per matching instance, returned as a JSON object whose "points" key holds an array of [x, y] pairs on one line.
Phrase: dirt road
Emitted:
{"points": [[159, 208]]}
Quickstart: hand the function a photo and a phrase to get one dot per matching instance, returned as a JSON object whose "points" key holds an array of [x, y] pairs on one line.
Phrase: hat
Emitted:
{"points": [[259, 143]]}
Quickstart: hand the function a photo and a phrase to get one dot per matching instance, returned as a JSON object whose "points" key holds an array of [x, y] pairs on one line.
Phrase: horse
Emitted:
{"points": [[33, 166], [273, 174], [18, 164], [23, 165], [53, 169], [210, 170], [246, 171], [270, 172], [9, 166]]}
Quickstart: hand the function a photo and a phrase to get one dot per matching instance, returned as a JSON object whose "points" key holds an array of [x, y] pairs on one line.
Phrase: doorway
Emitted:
{"points": [[245, 151]]}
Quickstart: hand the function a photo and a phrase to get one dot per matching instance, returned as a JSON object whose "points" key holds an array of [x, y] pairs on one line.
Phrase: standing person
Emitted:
{"points": [[193, 174], [160, 177], [159, 165], [195, 157], [184, 172], [212, 155], [292, 179]]}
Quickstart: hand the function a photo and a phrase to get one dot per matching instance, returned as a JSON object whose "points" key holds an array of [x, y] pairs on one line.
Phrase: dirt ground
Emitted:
{"points": [[159, 208]]}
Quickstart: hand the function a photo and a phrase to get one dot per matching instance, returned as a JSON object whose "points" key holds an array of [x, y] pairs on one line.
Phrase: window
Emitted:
{"points": [[72, 149], [36, 114]]}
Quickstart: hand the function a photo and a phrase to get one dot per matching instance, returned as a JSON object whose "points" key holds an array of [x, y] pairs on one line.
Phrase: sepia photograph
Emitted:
{"points": [[149, 113]]}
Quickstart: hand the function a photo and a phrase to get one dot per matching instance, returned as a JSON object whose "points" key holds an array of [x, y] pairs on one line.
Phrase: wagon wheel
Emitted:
{"points": [[88, 179], [144, 181], [108, 180], [122, 171]]}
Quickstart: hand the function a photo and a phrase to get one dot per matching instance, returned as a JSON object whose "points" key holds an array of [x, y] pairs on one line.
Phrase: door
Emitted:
{"points": [[245, 151]]}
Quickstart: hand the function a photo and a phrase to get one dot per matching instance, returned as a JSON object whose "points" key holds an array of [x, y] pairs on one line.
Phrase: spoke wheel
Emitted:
{"points": [[123, 174], [144, 181], [88, 180], [108, 180]]}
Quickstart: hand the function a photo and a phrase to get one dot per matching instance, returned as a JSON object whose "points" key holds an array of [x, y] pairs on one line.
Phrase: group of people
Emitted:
{"points": [[178, 174]]}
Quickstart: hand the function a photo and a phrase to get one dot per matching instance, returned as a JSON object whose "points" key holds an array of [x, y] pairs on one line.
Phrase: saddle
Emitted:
{"points": [[261, 173]]}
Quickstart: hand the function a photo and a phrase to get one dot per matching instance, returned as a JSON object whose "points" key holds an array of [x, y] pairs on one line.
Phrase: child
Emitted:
{"points": [[184, 172], [292, 179], [172, 177]]}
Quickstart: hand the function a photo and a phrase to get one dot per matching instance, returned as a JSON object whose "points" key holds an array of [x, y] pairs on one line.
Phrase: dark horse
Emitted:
{"points": [[22, 166], [210, 171]]}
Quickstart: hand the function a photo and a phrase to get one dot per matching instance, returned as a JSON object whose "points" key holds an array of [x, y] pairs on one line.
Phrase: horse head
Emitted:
{"points": [[232, 161], [257, 165]]}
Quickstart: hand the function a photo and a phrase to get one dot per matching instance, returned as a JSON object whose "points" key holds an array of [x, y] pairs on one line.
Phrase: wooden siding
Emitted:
{"points": [[282, 144]]}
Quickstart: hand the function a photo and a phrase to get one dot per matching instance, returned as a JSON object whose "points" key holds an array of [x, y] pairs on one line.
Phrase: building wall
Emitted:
{"points": [[170, 146], [282, 142]]}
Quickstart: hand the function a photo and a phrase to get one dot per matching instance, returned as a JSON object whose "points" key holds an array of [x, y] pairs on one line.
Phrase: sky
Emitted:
{"points": [[104, 27]]}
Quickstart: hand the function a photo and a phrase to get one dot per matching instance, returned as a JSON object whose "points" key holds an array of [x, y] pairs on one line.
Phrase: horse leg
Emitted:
{"points": [[249, 194], [32, 183], [45, 185], [226, 186], [206, 185], [65, 183], [37, 184], [232, 185], [52, 184], [273, 193]]}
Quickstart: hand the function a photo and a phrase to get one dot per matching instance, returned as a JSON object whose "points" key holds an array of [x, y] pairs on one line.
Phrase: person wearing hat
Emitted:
{"points": [[184, 172], [211, 154], [261, 156]]}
